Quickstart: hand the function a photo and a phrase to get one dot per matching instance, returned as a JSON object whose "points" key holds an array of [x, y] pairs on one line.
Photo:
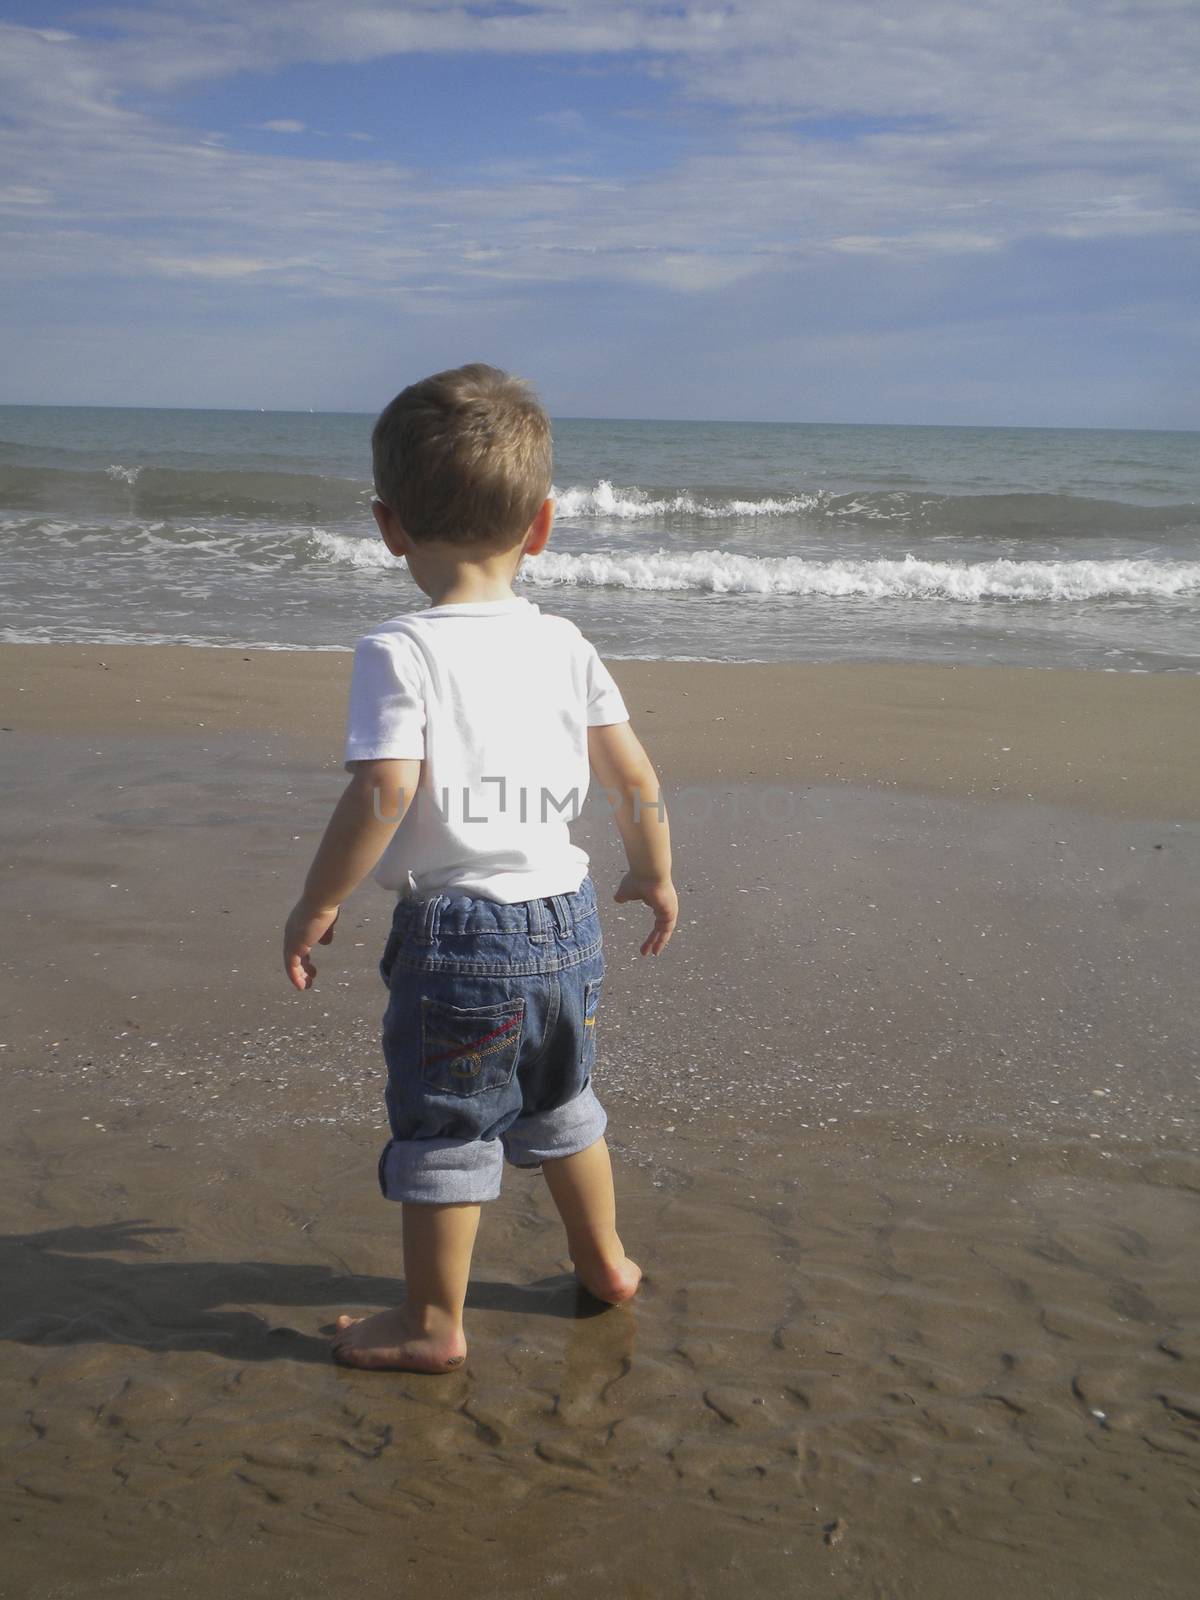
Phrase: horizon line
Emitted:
{"points": [[687, 422]]}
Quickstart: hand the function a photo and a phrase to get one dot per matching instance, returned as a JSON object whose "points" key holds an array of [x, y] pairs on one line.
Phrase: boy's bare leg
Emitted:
{"points": [[425, 1334], [582, 1188]]}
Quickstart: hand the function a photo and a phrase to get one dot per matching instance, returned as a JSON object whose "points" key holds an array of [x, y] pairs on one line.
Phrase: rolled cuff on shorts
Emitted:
{"points": [[565, 1131], [441, 1172], [446, 1172]]}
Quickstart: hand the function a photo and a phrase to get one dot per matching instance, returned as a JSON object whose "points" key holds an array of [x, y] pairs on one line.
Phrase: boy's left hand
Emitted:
{"points": [[306, 928]]}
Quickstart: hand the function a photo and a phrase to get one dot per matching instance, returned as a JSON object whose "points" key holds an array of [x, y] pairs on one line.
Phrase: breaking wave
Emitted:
{"points": [[722, 572], [725, 572], [997, 514], [149, 492]]}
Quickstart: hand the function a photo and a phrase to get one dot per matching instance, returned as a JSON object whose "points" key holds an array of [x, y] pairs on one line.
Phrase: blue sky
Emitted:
{"points": [[784, 209]]}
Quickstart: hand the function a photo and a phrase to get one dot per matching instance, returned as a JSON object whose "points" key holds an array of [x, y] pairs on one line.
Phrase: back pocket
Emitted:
{"points": [[469, 1049]]}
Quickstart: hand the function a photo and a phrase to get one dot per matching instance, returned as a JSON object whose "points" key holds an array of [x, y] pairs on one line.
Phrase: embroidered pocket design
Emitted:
{"points": [[467, 1050], [591, 1000]]}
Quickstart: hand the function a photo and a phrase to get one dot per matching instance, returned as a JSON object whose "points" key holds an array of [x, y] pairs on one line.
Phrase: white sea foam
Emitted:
{"points": [[348, 551], [1010, 514], [633, 504], [722, 572], [120, 474]]}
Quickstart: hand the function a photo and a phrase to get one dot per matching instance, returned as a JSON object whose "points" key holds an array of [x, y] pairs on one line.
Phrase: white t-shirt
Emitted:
{"points": [[495, 699]]}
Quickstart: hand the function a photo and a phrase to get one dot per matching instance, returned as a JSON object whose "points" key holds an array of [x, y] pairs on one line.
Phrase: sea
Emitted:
{"points": [[712, 541]]}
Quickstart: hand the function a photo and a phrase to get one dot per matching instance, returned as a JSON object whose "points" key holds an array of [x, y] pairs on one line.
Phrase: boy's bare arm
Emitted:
{"points": [[363, 821], [623, 768]]}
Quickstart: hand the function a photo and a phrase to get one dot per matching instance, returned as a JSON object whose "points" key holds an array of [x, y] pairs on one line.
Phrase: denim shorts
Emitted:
{"points": [[490, 1040]]}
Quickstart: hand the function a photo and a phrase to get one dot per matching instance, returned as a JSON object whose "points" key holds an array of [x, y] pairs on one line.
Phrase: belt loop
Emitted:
{"points": [[429, 920], [539, 930], [562, 914]]}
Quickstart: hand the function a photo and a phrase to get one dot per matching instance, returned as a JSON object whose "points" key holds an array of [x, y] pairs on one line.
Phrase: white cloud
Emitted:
{"points": [[210, 266], [23, 195], [281, 125]]}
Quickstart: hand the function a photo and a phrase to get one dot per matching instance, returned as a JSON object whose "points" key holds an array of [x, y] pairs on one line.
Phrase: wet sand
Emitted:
{"points": [[905, 1122]]}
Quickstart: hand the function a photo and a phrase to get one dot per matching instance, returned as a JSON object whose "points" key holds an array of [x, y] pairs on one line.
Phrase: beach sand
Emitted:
{"points": [[904, 1122]]}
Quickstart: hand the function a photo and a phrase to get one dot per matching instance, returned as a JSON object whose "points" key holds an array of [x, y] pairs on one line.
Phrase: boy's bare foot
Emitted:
{"points": [[614, 1282], [384, 1343]]}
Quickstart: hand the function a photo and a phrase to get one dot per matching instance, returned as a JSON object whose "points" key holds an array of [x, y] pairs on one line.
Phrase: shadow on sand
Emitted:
{"points": [[65, 1287]]}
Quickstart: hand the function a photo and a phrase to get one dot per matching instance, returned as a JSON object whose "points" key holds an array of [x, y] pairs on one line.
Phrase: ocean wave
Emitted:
{"points": [[634, 504], [722, 572], [133, 489], [996, 514], [147, 491], [726, 572], [265, 547], [347, 550]]}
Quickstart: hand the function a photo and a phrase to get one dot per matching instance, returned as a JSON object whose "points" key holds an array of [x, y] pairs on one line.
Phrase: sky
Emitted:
{"points": [[980, 212]]}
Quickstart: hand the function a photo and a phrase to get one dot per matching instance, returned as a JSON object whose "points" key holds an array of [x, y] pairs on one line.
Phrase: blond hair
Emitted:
{"points": [[464, 456]]}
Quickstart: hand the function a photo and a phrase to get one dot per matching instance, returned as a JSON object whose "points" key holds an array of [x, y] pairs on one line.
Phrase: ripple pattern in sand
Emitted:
{"points": [[889, 1387]]}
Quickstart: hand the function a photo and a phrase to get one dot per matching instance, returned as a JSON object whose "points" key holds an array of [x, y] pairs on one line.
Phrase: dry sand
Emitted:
{"points": [[1121, 743], [905, 1121]]}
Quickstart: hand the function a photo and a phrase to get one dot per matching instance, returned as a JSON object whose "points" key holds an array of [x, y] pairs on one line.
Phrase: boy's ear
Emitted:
{"points": [[389, 527], [539, 529]]}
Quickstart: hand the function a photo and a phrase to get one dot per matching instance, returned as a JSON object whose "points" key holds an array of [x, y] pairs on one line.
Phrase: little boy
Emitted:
{"points": [[472, 727]]}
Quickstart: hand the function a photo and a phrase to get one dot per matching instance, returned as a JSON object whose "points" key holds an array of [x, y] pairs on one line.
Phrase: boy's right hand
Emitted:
{"points": [[659, 894], [305, 928]]}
